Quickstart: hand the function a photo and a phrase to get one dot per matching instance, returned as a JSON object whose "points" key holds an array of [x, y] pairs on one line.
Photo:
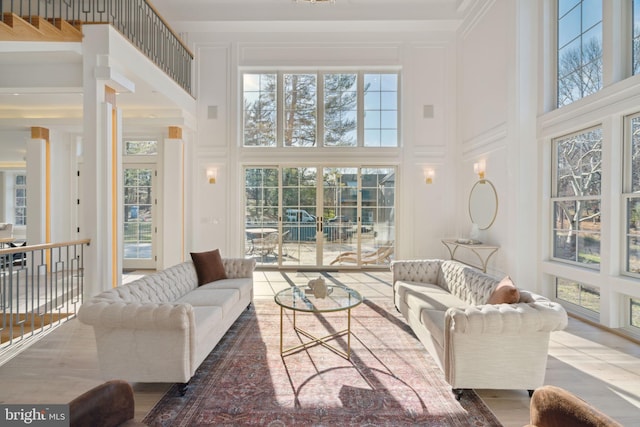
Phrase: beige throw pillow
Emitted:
{"points": [[505, 293]]}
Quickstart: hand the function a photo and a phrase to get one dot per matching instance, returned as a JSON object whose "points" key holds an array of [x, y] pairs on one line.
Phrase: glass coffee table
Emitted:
{"points": [[339, 298]]}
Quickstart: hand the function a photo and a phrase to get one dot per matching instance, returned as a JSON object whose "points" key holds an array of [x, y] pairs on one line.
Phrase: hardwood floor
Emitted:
{"points": [[600, 367]]}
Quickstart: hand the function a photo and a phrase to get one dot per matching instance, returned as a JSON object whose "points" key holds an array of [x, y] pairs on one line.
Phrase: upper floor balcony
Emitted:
{"points": [[62, 20]]}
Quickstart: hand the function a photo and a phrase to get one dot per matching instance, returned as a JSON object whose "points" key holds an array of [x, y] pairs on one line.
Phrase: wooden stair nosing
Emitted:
{"points": [[5, 29], [49, 30], [71, 31], [36, 28], [21, 29], [75, 23]]}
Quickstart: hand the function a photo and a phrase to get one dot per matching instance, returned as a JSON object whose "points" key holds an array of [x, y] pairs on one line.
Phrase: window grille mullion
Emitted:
{"points": [[360, 112], [320, 109], [280, 112]]}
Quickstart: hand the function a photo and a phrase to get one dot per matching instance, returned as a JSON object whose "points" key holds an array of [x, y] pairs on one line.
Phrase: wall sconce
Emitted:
{"points": [[212, 174], [428, 176], [480, 168]]}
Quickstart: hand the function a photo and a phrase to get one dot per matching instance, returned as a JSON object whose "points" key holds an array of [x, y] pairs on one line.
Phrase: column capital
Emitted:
{"points": [[175, 132], [39, 133]]}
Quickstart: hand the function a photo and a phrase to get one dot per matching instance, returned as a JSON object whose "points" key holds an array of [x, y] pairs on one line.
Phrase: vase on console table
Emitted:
{"points": [[475, 232]]}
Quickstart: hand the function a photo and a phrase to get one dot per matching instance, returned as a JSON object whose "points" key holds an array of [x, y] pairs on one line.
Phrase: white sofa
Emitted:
{"points": [[477, 345], [161, 327]]}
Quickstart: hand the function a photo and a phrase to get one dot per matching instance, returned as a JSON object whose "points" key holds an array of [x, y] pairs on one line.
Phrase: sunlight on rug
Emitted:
{"points": [[389, 381]]}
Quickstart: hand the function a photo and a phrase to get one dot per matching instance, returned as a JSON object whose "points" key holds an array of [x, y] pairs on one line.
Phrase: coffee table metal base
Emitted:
{"points": [[313, 340]]}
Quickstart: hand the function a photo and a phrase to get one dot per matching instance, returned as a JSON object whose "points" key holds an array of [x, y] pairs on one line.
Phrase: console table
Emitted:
{"points": [[482, 251]]}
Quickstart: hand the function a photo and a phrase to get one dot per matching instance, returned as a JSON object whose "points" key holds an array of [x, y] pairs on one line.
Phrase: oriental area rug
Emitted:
{"points": [[390, 379]]}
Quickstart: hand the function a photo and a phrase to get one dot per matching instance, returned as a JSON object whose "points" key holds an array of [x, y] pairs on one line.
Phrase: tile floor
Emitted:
{"points": [[600, 367]]}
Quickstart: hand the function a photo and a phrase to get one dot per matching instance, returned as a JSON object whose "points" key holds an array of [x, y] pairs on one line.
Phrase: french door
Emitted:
{"points": [[139, 216], [319, 216]]}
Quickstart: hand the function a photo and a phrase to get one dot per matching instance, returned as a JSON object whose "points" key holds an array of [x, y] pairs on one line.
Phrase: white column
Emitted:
{"points": [[36, 191], [5, 193], [173, 183], [99, 220]]}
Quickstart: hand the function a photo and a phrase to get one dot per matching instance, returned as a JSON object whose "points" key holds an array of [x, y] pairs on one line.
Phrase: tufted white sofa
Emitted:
{"points": [[477, 345], [161, 327]]}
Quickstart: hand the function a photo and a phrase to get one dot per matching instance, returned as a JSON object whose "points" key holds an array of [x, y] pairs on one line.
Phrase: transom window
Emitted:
{"points": [[576, 197], [579, 49], [635, 36], [20, 211], [140, 148], [327, 109]]}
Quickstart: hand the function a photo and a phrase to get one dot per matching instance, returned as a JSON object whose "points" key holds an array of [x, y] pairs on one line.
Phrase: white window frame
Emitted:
{"points": [[555, 198], [320, 131], [627, 193], [580, 36]]}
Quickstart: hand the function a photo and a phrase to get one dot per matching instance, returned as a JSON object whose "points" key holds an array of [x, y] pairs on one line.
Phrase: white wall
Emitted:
{"points": [[483, 59], [427, 63], [496, 124]]}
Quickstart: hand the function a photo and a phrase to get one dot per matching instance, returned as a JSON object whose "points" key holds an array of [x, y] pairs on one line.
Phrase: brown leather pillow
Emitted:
{"points": [[505, 293], [209, 267]]}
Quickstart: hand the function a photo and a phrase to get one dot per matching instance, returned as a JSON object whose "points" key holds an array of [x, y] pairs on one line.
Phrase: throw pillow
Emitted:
{"points": [[505, 293], [209, 267]]}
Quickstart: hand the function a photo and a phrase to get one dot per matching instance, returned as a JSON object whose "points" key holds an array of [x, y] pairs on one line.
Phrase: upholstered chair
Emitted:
{"points": [[555, 407], [110, 404]]}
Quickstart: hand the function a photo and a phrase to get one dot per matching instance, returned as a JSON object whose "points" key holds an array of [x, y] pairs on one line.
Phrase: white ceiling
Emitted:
{"points": [[287, 10]]}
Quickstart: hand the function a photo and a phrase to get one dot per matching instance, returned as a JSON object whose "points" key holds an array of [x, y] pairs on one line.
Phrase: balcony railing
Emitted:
{"points": [[137, 20], [40, 288]]}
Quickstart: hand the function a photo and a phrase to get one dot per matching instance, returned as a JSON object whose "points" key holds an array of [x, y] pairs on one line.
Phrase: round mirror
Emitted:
{"points": [[483, 204]]}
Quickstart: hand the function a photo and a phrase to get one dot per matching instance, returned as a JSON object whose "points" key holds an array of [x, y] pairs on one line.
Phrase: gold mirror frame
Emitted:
{"points": [[483, 204]]}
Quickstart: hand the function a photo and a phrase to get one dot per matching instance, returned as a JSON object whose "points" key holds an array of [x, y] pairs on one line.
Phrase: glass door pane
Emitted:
{"points": [[300, 224], [138, 236], [261, 215], [340, 213], [377, 228]]}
